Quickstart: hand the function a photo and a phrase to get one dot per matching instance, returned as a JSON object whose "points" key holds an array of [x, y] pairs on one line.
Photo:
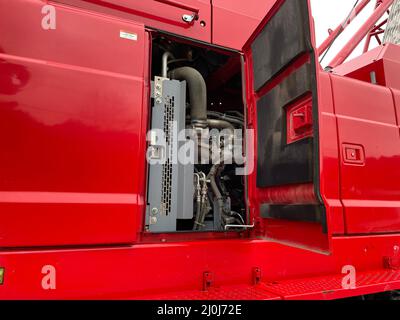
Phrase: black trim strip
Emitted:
{"points": [[304, 213]]}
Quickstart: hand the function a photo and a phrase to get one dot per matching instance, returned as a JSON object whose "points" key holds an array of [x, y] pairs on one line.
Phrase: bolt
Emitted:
{"points": [[158, 101], [154, 211], [153, 220]]}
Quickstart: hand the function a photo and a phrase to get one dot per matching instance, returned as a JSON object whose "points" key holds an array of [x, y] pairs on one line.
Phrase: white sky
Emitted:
{"points": [[329, 14]]}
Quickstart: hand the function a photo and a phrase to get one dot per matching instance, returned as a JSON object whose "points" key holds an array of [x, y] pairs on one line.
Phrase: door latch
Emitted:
{"points": [[353, 154], [189, 18]]}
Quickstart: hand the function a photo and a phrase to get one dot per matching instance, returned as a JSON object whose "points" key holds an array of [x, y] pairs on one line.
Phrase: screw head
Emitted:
{"points": [[153, 220]]}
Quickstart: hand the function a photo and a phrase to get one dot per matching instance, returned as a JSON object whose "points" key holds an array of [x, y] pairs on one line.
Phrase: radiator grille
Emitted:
{"points": [[167, 167]]}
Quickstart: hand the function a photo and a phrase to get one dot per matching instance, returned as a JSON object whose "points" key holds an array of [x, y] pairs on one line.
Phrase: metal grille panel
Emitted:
{"points": [[167, 167]]}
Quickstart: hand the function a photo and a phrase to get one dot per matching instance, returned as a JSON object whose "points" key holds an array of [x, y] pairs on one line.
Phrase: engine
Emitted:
{"points": [[195, 151]]}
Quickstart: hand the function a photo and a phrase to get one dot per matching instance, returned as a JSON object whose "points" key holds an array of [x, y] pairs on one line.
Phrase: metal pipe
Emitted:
{"points": [[221, 125], [361, 33], [338, 31], [197, 92], [213, 183], [167, 55], [228, 226], [198, 198], [370, 35], [203, 207], [225, 117]]}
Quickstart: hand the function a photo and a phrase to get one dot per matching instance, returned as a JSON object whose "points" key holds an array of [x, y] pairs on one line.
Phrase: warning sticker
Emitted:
{"points": [[128, 35]]}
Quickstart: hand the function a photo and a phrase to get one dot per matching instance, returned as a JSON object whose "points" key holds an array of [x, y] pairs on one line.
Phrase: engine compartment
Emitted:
{"points": [[196, 140]]}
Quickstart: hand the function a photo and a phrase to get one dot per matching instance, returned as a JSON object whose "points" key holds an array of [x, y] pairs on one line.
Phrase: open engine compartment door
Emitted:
{"points": [[281, 73]]}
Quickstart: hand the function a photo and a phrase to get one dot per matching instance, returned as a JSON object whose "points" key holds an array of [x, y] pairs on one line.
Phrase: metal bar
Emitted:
{"points": [[334, 34], [361, 33], [380, 25], [367, 43], [375, 31], [369, 36], [230, 226]]}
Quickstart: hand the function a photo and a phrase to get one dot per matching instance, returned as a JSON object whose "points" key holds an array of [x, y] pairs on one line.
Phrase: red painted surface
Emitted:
{"points": [[235, 21], [73, 119], [124, 272], [369, 190], [157, 14], [72, 128], [383, 61], [396, 96], [329, 157]]}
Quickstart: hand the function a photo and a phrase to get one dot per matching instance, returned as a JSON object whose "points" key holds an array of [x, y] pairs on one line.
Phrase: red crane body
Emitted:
{"points": [[74, 114]]}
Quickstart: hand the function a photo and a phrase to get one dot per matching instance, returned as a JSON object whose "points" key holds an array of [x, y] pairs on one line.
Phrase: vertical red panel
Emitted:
{"points": [[369, 188], [329, 156], [72, 127], [235, 21]]}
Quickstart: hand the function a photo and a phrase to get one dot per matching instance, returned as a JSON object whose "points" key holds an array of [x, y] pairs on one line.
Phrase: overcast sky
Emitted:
{"points": [[328, 14]]}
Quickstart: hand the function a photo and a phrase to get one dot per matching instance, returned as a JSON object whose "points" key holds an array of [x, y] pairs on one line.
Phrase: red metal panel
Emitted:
{"points": [[329, 156], [382, 61], [72, 128], [370, 191], [391, 65], [158, 14], [353, 67], [396, 96], [235, 21], [128, 272], [72, 172]]}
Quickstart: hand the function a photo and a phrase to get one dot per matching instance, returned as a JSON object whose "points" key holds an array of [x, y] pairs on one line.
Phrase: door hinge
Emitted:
{"points": [[208, 280], [256, 275]]}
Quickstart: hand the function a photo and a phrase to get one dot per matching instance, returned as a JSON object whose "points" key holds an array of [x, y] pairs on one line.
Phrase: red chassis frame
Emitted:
{"points": [[136, 265]]}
